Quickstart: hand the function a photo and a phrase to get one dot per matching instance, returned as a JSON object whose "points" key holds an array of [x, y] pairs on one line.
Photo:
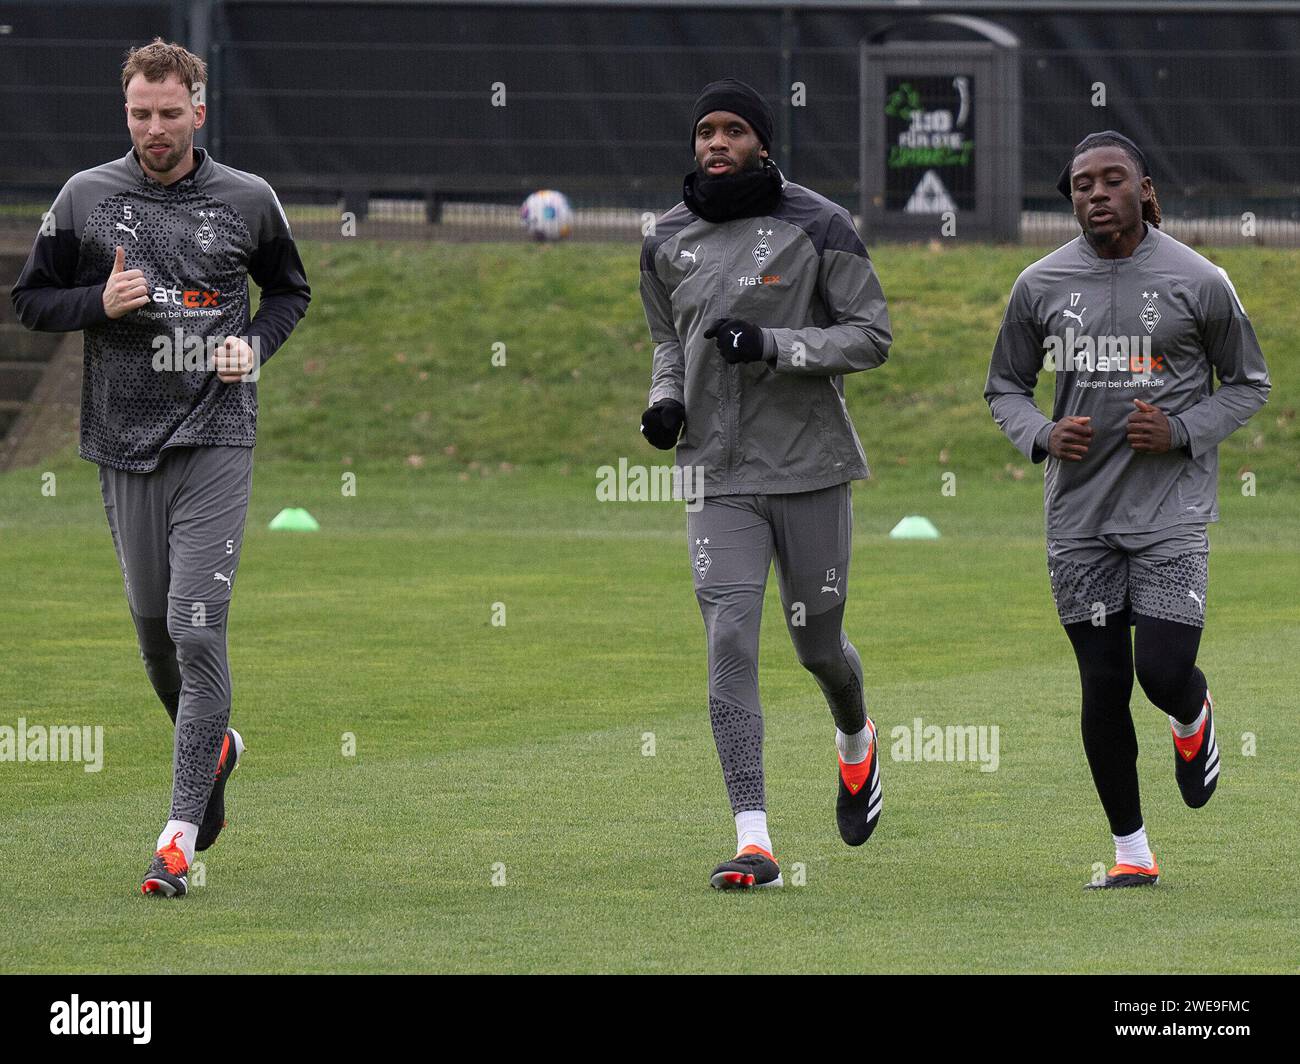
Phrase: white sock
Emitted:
{"points": [[189, 836], [751, 830], [1133, 849], [1186, 731], [853, 748]]}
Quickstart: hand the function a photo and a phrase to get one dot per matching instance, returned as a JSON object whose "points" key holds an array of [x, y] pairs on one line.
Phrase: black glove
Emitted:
{"points": [[738, 341], [663, 422]]}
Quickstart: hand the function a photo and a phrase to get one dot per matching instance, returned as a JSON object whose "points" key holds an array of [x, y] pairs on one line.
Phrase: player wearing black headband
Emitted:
{"points": [[1136, 326]]}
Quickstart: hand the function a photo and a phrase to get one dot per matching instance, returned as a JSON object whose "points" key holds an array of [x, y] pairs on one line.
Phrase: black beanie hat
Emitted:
{"points": [[1106, 138], [735, 96]]}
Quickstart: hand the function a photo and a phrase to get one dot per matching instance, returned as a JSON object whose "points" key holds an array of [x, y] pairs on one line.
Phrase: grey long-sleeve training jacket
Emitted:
{"points": [[146, 386], [1153, 327], [802, 274]]}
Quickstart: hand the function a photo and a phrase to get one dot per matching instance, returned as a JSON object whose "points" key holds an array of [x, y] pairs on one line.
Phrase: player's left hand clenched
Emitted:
{"points": [[1148, 429], [738, 340], [235, 360]]}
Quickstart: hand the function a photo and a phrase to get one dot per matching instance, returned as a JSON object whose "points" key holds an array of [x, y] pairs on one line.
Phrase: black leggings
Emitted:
{"points": [[1165, 656]]}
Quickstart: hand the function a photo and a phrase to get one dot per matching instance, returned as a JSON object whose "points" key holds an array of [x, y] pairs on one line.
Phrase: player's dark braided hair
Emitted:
{"points": [[1109, 138], [1151, 209]]}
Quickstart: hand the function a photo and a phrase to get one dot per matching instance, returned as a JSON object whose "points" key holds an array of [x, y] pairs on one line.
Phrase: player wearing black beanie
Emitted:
{"points": [[760, 298]]}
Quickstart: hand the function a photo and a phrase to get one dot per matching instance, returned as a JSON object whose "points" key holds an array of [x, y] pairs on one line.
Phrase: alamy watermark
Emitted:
{"points": [[57, 742], [953, 742], [638, 483], [133, 1019], [1130, 355], [181, 353]]}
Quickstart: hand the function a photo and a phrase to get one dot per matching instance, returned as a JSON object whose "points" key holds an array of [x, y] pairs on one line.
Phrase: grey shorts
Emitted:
{"points": [[1163, 574]]}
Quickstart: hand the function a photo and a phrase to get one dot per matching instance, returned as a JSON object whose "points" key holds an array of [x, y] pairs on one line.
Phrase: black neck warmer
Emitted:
{"points": [[748, 194]]}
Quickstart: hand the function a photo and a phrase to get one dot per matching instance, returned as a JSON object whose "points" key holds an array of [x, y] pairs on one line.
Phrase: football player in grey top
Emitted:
{"points": [[1136, 326], [760, 297], [150, 257]]}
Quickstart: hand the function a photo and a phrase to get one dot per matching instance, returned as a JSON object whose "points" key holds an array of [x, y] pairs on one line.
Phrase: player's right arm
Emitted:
{"points": [[1013, 372], [47, 297], [662, 422], [668, 367]]}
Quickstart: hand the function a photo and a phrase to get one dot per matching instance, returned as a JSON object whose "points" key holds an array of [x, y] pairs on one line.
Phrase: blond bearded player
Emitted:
{"points": [[150, 256]]}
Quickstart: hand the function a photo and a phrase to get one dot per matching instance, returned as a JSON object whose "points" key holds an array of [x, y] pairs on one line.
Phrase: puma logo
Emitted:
{"points": [[834, 577], [735, 339], [128, 229], [218, 576], [1077, 317], [1195, 598], [690, 254]]}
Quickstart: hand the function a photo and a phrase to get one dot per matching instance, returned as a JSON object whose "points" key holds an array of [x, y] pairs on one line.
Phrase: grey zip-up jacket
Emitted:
{"points": [[1154, 326], [780, 424], [146, 386]]}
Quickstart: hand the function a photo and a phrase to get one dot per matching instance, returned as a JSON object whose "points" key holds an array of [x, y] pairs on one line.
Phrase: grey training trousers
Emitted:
{"points": [[178, 531], [733, 541]]}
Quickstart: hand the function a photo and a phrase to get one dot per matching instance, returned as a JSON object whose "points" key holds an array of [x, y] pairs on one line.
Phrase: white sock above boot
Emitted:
{"points": [[1133, 849], [189, 836], [853, 749], [751, 830]]}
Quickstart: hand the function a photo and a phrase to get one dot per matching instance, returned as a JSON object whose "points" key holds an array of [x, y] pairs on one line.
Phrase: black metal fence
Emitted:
{"points": [[436, 120]]}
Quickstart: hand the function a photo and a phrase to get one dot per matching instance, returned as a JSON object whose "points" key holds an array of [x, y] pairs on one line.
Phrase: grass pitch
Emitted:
{"points": [[500, 811]]}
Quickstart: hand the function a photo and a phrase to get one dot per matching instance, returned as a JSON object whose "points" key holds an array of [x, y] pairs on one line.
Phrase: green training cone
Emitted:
{"points": [[914, 527], [294, 519]]}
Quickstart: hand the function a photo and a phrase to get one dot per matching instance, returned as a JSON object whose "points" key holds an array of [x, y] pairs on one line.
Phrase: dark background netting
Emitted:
{"points": [[396, 98]]}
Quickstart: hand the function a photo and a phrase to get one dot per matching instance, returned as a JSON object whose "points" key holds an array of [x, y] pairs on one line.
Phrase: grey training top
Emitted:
{"points": [[147, 385], [803, 276], [1149, 327]]}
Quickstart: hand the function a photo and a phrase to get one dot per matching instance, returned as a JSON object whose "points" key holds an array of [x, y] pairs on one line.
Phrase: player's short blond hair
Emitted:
{"points": [[158, 59]]}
